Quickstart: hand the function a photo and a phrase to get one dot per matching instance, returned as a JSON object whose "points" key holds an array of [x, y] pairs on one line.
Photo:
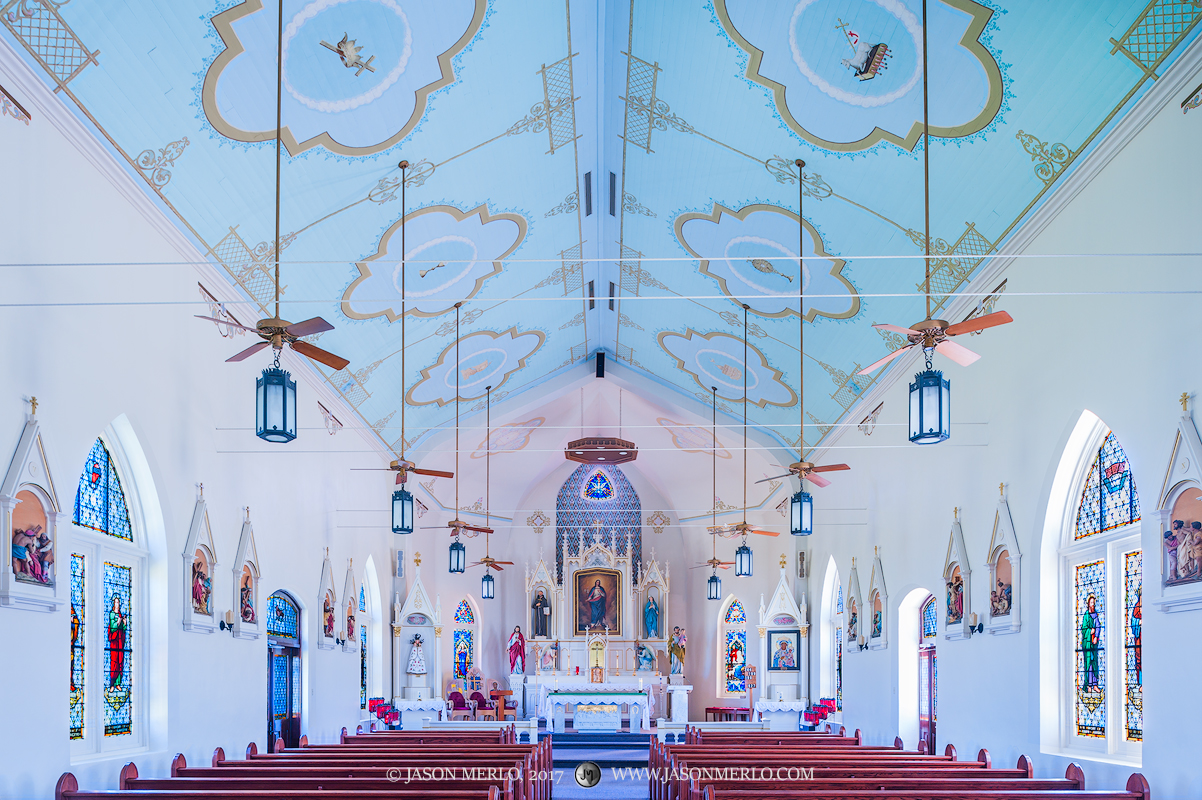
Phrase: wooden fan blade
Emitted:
{"points": [[477, 529], [763, 533], [817, 480], [400, 479], [226, 322], [898, 329], [775, 477], [371, 469], [830, 468], [317, 354], [699, 566], [437, 473], [979, 324], [495, 565], [884, 360], [309, 327], [248, 352], [958, 353]]}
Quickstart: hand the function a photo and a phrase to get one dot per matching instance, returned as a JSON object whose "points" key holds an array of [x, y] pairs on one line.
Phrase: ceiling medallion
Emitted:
{"points": [[596, 450]]}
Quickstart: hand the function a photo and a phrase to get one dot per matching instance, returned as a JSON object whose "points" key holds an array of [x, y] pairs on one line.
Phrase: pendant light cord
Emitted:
{"points": [[714, 459], [801, 315], [487, 455], [404, 165], [926, 160], [745, 307], [279, 114], [457, 307]]}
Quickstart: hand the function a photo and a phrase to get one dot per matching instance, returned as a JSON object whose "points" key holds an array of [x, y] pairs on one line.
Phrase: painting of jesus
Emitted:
{"points": [[598, 601]]}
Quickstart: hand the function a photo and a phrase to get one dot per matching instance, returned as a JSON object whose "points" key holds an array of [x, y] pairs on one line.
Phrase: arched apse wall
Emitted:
{"points": [[909, 626]]}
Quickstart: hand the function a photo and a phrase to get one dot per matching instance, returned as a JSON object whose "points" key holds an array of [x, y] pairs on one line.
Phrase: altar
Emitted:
{"points": [[598, 707]]}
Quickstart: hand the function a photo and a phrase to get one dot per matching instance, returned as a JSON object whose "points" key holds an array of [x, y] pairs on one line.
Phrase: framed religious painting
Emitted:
{"points": [[598, 601], [784, 651]]}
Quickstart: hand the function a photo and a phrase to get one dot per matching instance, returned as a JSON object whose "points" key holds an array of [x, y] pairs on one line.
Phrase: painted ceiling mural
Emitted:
{"points": [[651, 161]]}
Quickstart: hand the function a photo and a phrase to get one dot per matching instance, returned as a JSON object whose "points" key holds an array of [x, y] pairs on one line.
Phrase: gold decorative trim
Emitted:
{"points": [[993, 103], [223, 23], [511, 332], [382, 250], [715, 217], [775, 373]]}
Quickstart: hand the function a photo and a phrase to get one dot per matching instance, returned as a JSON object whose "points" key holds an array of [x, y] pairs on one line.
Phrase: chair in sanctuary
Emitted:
{"points": [[485, 708], [459, 708]]}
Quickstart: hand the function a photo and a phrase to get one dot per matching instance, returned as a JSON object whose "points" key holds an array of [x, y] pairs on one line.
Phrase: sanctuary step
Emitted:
{"points": [[621, 757]]}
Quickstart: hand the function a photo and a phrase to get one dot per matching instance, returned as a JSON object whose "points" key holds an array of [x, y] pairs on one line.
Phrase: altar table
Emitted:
{"points": [[597, 709], [781, 715]]}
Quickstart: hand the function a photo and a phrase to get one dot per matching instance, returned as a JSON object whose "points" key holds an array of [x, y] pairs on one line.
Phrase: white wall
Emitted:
{"points": [[1126, 357]]}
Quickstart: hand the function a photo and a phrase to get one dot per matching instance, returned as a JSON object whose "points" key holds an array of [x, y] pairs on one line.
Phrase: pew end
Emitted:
{"points": [[342, 735], [252, 749], [897, 742], [67, 783], [304, 740], [279, 745], [177, 763], [1137, 784], [1075, 774], [922, 747], [986, 759], [1024, 763], [859, 737], [218, 757], [128, 772]]}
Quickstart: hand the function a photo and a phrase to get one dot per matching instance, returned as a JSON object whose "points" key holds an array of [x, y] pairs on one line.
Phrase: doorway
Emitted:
{"points": [[928, 676], [283, 671]]}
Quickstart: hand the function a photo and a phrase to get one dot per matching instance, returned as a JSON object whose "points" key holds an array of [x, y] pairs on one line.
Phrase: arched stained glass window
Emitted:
{"points": [[735, 614], [362, 651], [100, 501], [599, 487], [930, 620], [283, 618], [79, 616], [463, 614], [598, 501], [1109, 499], [1133, 655]]}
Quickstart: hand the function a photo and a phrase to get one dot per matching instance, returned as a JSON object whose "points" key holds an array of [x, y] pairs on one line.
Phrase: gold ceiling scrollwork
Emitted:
{"points": [[154, 165]]}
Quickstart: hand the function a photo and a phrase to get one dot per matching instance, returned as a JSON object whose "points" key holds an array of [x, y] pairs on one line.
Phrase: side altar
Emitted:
{"points": [[599, 640], [417, 654]]}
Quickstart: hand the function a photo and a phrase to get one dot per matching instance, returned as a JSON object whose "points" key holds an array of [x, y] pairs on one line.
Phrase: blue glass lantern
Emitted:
{"points": [[402, 511], [458, 556], [743, 560], [488, 587], [714, 587], [930, 408], [275, 406], [801, 514]]}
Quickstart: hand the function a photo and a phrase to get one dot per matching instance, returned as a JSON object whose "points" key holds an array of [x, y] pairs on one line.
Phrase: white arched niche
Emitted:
{"points": [[909, 632]]}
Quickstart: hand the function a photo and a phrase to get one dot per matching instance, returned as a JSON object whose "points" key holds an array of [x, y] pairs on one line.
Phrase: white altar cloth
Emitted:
{"points": [[781, 715], [414, 711], [552, 706]]}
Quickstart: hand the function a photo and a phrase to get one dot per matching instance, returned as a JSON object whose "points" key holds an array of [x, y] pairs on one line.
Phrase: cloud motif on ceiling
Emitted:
{"points": [[508, 438], [450, 255], [693, 438], [716, 359], [752, 254], [357, 73], [847, 74], [486, 358]]}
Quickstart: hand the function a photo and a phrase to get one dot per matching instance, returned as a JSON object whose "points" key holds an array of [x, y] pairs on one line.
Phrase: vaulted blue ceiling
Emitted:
{"points": [[559, 148]]}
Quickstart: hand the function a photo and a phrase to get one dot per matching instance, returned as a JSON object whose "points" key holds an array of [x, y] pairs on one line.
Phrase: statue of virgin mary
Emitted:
{"points": [[417, 660]]}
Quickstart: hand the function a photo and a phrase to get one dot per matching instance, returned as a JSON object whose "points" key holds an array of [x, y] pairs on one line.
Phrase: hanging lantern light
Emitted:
{"points": [[714, 587], [930, 407], [402, 510], [801, 514], [488, 587], [743, 560], [275, 405], [458, 556]]}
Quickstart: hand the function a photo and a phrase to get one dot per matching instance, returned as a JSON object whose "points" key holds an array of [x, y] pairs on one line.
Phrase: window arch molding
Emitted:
{"points": [[145, 556], [1072, 568]]}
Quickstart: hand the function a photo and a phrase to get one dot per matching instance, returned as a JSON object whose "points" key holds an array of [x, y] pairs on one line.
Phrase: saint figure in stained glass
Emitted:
{"points": [[1090, 635], [736, 658], [1133, 568], [462, 646], [118, 653], [78, 619]]}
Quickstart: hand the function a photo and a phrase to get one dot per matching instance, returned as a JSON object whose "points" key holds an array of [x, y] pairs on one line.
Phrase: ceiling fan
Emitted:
{"points": [[457, 525], [488, 562], [802, 469], [401, 466], [932, 334], [274, 331]]}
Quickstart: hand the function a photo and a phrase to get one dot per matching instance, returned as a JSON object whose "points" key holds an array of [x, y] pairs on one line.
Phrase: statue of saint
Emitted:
{"points": [[676, 650], [546, 661], [651, 618], [517, 652], [417, 659], [646, 657], [540, 616]]}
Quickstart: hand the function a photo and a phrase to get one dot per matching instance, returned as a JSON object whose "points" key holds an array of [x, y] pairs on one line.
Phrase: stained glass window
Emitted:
{"points": [[599, 487], [839, 668], [1133, 580], [735, 614], [279, 686], [463, 614], [362, 666], [1109, 499], [736, 658], [118, 651], [282, 617], [79, 617], [100, 501], [463, 653], [598, 501], [1089, 594], [839, 601], [362, 600], [930, 619], [296, 687]]}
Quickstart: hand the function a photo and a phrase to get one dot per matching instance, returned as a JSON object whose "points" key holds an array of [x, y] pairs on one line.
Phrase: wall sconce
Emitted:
{"points": [[227, 624], [974, 626], [863, 644]]}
